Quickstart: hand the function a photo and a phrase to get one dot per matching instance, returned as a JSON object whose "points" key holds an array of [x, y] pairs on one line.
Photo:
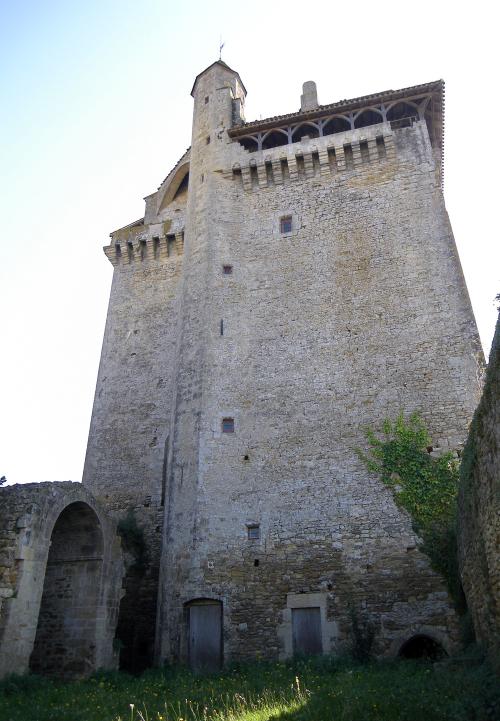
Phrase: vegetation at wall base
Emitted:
{"points": [[133, 540], [314, 689], [425, 486]]}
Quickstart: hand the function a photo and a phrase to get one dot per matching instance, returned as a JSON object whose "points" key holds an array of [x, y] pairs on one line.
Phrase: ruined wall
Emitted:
{"points": [[60, 581], [125, 465], [358, 313], [479, 512]]}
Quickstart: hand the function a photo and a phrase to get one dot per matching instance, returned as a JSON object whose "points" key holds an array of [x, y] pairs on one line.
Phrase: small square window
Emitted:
{"points": [[228, 425], [253, 532], [286, 224], [227, 269]]}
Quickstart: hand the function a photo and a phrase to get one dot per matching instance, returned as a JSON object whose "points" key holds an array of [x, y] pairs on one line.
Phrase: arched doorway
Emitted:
{"points": [[65, 642], [204, 634], [422, 647]]}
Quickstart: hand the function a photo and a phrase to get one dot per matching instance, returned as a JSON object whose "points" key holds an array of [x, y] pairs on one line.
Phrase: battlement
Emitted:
{"points": [[325, 156], [143, 247]]}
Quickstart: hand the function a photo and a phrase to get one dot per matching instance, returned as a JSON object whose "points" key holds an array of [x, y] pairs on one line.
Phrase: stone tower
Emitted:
{"points": [[293, 280]]}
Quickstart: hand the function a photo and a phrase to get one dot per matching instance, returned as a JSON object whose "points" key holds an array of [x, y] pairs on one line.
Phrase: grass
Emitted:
{"points": [[321, 689]]}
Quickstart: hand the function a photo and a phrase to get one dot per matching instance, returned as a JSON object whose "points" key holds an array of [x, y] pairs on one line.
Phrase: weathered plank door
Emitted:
{"points": [[306, 629], [205, 635]]}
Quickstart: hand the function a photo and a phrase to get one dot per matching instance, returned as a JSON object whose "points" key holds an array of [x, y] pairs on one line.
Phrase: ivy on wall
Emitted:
{"points": [[425, 486]]}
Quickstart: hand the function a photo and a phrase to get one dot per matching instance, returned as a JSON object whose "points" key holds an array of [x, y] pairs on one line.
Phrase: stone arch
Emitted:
{"points": [[179, 181], [65, 641], [422, 646], [368, 116], [44, 516]]}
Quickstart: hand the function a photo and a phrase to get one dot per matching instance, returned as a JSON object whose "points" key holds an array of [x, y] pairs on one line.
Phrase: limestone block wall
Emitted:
{"points": [[126, 461], [479, 512], [357, 313], [60, 581]]}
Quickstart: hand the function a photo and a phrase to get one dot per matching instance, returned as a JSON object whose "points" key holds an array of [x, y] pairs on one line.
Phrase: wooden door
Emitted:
{"points": [[306, 629], [205, 635]]}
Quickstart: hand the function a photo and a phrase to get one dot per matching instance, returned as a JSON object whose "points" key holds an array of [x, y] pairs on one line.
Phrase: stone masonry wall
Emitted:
{"points": [[84, 565], [359, 312], [479, 512], [125, 465]]}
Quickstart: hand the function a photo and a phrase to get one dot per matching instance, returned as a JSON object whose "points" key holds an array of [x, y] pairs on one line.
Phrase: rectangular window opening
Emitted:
{"points": [[301, 168], [254, 177], [285, 169], [316, 164], [170, 245], [228, 425], [206, 99], [207, 139], [269, 173], [380, 146], [253, 531], [332, 160], [286, 224], [222, 327], [227, 269], [349, 160], [365, 153]]}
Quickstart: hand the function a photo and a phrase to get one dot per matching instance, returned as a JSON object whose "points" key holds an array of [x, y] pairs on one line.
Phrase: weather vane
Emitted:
{"points": [[221, 45]]}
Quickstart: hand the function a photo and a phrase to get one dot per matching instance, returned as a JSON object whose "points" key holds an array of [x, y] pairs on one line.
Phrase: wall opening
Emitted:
{"points": [[301, 131], [422, 647], [249, 144], [65, 642], [274, 139], [368, 117], [336, 125], [203, 618], [381, 146]]}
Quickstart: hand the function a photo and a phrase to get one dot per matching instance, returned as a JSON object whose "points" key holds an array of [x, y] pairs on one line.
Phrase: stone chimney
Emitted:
{"points": [[309, 97]]}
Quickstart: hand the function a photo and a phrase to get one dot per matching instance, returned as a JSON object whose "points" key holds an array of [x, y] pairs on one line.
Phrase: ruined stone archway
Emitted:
{"points": [[65, 642], [61, 571]]}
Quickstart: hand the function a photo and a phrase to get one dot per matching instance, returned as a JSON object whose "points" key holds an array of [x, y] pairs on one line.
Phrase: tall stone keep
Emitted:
{"points": [[293, 280]]}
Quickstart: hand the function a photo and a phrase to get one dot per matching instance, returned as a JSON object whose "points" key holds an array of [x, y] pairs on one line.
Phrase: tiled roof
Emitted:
{"points": [[339, 107]]}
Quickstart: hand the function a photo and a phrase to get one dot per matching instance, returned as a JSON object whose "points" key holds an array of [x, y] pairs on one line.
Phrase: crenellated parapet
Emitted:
{"points": [[313, 157], [137, 243]]}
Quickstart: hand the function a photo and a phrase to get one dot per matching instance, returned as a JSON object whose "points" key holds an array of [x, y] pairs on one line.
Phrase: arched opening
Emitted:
{"points": [[177, 187], [422, 647], [203, 618], [336, 125], [181, 192], [65, 642], [368, 117], [274, 139], [399, 111], [249, 144], [303, 130]]}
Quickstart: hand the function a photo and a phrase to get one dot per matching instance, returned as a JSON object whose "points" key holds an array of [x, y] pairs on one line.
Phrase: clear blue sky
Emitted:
{"points": [[95, 110]]}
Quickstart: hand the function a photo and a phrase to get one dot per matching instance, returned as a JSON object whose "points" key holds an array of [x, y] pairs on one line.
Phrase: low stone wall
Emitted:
{"points": [[60, 581], [479, 512]]}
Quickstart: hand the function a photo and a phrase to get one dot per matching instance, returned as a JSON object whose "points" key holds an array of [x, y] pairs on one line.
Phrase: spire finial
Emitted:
{"points": [[221, 45]]}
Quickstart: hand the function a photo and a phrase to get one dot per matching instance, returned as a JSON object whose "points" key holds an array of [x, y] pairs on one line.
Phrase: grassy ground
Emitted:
{"points": [[311, 690]]}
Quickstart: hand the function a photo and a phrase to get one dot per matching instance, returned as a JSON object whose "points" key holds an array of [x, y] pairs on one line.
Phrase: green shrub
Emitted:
{"points": [[423, 485]]}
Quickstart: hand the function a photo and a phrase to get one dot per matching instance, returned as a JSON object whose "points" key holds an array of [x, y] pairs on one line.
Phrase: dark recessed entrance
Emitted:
{"points": [[422, 647]]}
